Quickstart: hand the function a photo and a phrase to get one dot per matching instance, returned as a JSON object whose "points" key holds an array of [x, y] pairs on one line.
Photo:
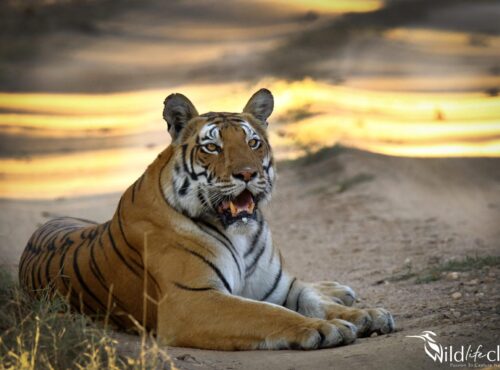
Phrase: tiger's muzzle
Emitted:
{"points": [[239, 208]]}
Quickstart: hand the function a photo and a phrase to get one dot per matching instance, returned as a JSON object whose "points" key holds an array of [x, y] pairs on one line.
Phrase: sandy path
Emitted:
{"points": [[360, 219]]}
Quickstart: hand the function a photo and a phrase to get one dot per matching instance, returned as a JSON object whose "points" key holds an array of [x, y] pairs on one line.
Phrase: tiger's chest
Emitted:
{"points": [[259, 265]]}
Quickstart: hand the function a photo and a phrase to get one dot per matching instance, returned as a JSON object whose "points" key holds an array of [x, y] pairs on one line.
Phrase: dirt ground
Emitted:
{"points": [[397, 230]]}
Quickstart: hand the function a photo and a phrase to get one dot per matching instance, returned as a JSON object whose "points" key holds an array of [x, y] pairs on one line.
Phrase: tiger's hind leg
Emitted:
{"points": [[337, 292]]}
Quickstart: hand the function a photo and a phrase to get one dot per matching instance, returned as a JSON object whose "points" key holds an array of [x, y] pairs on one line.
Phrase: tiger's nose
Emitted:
{"points": [[245, 174]]}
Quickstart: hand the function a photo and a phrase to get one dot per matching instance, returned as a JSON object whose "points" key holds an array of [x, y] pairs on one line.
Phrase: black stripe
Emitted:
{"points": [[185, 287], [275, 285], [140, 181], [184, 188], [184, 163], [47, 268], [211, 227], [48, 232], [131, 247], [139, 265], [22, 269], [289, 290], [30, 262], [122, 258], [161, 188], [209, 175], [101, 280], [62, 265], [199, 195], [211, 131], [297, 304], [210, 264], [133, 190], [205, 168], [33, 284], [82, 283], [250, 270], [39, 270], [95, 268], [224, 241], [83, 220], [256, 238], [23, 263]]}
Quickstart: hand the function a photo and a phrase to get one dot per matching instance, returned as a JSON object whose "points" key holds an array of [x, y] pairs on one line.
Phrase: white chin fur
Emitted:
{"points": [[240, 227]]}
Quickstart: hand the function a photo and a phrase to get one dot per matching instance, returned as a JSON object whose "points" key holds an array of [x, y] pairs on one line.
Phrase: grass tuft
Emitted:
{"points": [[45, 333], [434, 273], [350, 182], [313, 155]]}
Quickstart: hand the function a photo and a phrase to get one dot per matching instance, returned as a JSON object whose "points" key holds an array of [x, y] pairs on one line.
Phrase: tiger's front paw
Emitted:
{"points": [[367, 321], [373, 320], [313, 334], [341, 294], [381, 322]]}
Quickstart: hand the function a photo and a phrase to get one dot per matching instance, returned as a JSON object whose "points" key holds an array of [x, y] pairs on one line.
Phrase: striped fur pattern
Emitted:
{"points": [[188, 253]]}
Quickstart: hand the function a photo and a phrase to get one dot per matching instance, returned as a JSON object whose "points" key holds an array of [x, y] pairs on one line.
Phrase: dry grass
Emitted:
{"points": [[437, 272], [47, 334]]}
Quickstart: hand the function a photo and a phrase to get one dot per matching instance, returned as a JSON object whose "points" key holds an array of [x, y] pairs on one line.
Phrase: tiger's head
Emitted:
{"points": [[223, 165]]}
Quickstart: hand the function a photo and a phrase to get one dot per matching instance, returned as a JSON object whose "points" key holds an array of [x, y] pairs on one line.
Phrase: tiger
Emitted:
{"points": [[188, 254]]}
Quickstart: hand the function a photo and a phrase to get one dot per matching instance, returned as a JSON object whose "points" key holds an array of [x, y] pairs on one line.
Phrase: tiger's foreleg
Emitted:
{"points": [[330, 301], [337, 292], [213, 319]]}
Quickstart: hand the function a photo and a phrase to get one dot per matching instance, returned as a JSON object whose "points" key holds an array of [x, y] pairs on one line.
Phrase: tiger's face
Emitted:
{"points": [[223, 164]]}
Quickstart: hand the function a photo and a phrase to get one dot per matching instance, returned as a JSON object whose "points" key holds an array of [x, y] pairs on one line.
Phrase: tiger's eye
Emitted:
{"points": [[253, 143], [211, 147]]}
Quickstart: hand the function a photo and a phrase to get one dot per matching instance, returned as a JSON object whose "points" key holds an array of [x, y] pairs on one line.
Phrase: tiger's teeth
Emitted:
{"points": [[234, 210], [251, 207]]}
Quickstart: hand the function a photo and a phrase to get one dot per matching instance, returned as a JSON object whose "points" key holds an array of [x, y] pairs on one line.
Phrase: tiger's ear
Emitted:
{"points": [[178, 111], [260, 105]]}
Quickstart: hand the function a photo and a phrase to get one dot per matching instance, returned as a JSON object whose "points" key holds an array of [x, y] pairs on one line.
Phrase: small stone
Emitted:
{"points": [[480, 294], [187, 358], [456, 295], [374, 334], [472, 282], [457, 314], [452, 275]]}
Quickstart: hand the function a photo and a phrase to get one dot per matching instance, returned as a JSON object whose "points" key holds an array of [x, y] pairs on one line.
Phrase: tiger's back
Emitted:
{"points": [[86, 262]]}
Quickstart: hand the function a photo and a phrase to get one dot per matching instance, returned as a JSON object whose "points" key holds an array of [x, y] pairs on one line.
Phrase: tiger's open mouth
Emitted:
{"points": [[240, 208]]}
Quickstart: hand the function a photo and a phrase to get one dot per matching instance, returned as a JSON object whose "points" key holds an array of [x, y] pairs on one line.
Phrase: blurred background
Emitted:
{"points": [[83, 81], [385, 114]]}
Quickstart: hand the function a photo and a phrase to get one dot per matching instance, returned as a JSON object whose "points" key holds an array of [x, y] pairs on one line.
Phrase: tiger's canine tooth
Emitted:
{"points": [[251, 207], [234, 210]]}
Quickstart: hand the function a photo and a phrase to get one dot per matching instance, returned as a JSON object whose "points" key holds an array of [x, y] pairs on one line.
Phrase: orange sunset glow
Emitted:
{"points": [[402, 91]]}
